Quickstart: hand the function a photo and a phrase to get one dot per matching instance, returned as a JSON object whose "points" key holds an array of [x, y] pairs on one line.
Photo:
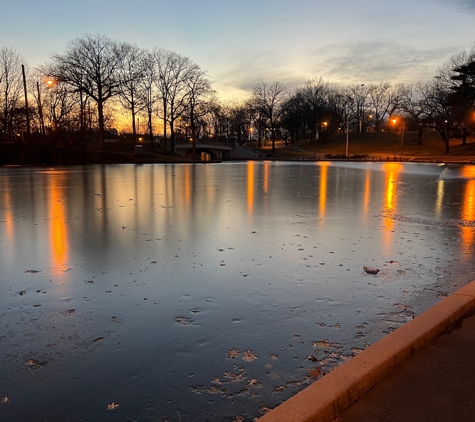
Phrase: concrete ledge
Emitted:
{"points": [[330, 395]]}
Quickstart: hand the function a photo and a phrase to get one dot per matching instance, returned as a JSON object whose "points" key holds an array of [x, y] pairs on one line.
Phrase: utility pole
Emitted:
{"points": [[40, 110], [26, 102]]}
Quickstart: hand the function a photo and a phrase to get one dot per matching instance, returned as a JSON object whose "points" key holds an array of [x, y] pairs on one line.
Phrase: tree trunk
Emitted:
{"points": [[172, 136], [134, 129], [150, 128], [165, 127], [100, 110]]}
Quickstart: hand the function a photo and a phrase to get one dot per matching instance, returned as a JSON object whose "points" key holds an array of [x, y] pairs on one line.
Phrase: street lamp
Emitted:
{"points": [[403, 128], [347, 124]]}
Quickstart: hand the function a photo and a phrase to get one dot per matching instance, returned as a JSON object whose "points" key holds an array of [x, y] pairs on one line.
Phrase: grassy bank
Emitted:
{"points": [[385, 144]]}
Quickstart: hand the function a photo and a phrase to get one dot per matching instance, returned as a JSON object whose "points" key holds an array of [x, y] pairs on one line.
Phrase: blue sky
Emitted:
{"points": [[242, 42]]}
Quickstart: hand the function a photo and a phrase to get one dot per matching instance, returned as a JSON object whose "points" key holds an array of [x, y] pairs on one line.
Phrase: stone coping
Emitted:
{"points": [[330, 395]]}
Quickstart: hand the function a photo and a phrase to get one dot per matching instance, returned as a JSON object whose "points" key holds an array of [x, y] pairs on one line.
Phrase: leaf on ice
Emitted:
{"points": [[112, 406], [279, 389], [235, 377], [314, 372], [252, 382], [6, 399], [183, 321], [249, 355], [274, 356], [233, 353], [264, 409], [324, 344]]}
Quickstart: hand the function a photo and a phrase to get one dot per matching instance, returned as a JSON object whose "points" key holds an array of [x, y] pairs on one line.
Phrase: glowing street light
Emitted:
{"points": [[403, 127]]}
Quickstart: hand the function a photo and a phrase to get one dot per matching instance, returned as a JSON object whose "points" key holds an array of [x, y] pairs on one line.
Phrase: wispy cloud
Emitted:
{"points": [[462, 4], [374, 61], [361, 62]]}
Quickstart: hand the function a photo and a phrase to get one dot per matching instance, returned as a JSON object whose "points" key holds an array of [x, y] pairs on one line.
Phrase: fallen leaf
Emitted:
{"points": [[183, 321], [233, 353], [274, 356], [5, 399], [264, 409], [314, 372], [112, 406], [235, 377], [249, 355], [324, 344]]}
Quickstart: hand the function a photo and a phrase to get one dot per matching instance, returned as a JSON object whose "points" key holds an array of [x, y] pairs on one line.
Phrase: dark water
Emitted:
{"points": [[213, 292]]}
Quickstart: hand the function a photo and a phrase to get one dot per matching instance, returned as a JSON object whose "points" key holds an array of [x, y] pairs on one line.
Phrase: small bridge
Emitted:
{"points": [[216, 150]]}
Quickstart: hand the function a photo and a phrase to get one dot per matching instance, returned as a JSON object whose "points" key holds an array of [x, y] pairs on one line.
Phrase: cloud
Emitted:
{"points": [[375, 61], [462, 4], [249, 68]]}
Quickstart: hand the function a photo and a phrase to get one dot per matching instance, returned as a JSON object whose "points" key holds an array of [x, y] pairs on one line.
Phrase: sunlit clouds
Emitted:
{"points": [[242, 43]]}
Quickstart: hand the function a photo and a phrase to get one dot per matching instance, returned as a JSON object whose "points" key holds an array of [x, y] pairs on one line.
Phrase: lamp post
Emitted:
{"points": [[403, 128], [402, 137], [347, 127], [40, 110], [315, 140]]}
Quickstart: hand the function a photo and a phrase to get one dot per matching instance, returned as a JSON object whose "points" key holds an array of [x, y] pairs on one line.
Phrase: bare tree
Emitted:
{"points": [[270, 100], [91, 65], [315, 95], [438, 105], [172, 73], [10, 90], [359, 106], [198, 94], [383, 100], [135, 64]]}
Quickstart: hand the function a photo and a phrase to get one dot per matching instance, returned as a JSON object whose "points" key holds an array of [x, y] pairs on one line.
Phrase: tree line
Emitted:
{"points": [[82, 91]]}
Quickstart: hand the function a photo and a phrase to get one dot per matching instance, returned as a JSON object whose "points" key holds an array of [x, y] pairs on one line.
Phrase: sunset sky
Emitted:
{"points": [[242, 42]]}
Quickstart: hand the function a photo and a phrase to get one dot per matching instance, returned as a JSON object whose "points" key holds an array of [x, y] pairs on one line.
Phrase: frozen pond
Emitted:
{"points": [[213, 292]]}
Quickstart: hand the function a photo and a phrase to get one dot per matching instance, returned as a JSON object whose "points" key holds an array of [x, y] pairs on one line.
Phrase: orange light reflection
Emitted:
{"points": [[468, 214], [323, 187], [390, 200], [367, 190], [250, 186], [187, 185], [58, 228], [266, 177], [8, 213]]}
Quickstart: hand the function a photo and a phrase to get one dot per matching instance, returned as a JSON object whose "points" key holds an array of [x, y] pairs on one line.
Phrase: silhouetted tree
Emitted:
{"points": [[10, 91], [91, 65], [172, 74], [131, 74], [270, 99]]}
